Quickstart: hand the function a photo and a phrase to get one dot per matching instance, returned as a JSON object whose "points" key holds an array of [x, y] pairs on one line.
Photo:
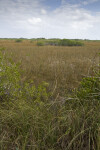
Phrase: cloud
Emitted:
{"points": [[32, 19], [78, 2], [43, 11], [86, 2], [75, 17]]}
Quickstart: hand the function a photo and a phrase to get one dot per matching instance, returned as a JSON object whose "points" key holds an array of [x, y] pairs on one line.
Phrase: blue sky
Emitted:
{"points": [[50, 19]]}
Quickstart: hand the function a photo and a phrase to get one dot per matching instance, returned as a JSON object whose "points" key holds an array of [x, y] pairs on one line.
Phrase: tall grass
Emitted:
{"points": [[62, 67], [31, 118]]}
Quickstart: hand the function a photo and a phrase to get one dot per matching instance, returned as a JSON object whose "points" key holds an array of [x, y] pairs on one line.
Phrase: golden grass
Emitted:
{"points": [[32, 118], [65, 66]]}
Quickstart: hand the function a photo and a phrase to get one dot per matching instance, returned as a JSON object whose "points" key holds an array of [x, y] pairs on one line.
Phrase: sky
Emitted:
{"points": [[71, 19]]}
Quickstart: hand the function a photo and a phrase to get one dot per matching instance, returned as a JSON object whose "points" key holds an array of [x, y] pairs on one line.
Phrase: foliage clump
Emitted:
{"points": [[19, 40], [40, 43], [60, 42], [66, 42]]}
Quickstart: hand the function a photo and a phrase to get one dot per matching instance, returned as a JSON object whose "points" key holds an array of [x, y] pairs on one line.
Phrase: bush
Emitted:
{"points": [[11, 86], [19, 40], [90, 86], [9, 78], [40, 43], [66, 42]]}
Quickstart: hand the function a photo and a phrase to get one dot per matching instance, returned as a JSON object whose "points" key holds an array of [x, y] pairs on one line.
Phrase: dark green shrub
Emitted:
{"points": [[90, 86], [66, 42], [40, 43], [19, 40], [63, 42], [9, 78]]}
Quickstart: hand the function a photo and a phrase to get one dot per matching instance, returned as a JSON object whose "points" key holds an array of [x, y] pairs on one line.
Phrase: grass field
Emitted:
{"points": [[63, 67], [55, 117]]}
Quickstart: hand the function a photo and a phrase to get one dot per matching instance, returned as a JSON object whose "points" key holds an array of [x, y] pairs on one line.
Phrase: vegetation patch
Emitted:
{"points": [[32, 118], [19, 40], [59, 42]]}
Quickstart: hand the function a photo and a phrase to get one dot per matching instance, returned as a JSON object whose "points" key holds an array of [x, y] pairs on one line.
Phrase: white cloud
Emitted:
{"points": [[78, 2], [43, 11], [86, 2], [34, 20], [31, 19]]}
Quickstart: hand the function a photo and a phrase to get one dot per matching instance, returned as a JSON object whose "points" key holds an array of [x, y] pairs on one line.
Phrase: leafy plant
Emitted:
{"points": [[9, 78]]}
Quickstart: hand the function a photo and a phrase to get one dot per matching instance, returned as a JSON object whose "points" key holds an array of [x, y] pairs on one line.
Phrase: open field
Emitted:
{"points": [[63, 67], [55, 117]]}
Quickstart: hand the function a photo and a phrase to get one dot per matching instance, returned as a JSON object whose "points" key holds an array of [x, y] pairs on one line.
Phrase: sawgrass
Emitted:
{"points": [[63, 67], [44, 117]]}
